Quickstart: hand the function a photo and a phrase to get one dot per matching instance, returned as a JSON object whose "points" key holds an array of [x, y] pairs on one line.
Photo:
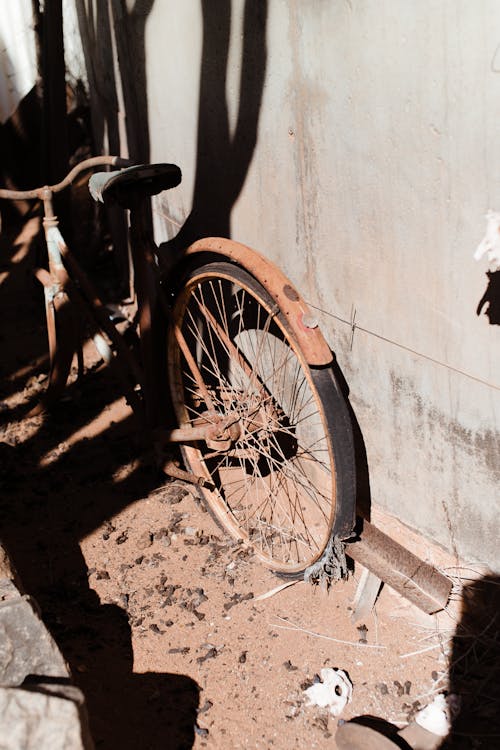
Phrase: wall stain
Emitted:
{"points": [[454, 458]]}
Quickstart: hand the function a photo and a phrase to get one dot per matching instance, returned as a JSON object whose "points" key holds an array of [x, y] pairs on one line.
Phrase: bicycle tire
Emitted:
{"points": [[286, 484]]}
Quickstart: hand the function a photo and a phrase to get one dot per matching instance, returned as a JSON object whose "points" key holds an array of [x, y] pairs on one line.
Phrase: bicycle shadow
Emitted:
{"points": [[49, 501], [45, 512]]}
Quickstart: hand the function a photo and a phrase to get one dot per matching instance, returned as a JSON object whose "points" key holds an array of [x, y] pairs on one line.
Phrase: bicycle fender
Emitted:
{"points": [[298, 314]]}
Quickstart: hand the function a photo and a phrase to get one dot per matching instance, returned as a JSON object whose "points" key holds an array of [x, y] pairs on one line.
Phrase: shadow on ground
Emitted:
{"points": [[52, 498], [475, 668]]}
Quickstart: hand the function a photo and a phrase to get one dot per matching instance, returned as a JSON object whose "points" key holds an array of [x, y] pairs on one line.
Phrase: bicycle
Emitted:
{"points": [[261, 422]]}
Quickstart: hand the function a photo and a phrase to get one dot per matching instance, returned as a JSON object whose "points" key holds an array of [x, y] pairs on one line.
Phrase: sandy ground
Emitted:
{"points": [[156, 610]]}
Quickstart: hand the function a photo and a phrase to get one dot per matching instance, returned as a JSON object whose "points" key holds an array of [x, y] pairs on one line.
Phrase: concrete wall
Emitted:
{"points": [[357, 143]]}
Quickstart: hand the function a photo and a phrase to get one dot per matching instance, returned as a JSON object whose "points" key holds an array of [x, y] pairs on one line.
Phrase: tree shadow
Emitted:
{"points": [[491, 297], [102, 26], [475, 669], [223, 158], [119, 103]]}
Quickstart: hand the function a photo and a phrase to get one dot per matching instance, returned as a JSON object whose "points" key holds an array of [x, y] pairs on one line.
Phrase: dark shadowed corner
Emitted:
{"points": [[474, 673]]}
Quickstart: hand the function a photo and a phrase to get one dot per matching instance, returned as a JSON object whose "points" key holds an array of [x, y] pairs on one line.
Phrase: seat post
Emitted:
{"points": [[152, 323]]}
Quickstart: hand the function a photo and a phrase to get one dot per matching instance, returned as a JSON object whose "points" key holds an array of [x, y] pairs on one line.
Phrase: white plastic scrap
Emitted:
{"points": [[438, 715], [334, 691], [490, 244]]}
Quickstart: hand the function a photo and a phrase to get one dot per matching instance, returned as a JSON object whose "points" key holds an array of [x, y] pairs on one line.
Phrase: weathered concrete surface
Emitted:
{"points": [[359, 148], [34, 720], [26, 646], [39, 708]]}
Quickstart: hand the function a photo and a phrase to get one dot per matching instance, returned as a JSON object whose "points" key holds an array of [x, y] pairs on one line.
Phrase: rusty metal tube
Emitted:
{"points": [[400, 569]]}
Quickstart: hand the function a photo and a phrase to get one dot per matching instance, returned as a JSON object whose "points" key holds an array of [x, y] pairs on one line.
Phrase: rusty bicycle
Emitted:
{"points": [[229, 344]]}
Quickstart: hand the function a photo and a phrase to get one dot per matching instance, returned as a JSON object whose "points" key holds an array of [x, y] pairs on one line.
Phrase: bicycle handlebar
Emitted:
{"points": [[95, 161]]}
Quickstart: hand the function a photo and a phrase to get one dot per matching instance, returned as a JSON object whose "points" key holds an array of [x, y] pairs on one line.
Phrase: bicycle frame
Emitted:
{"points": [[59, 287]]}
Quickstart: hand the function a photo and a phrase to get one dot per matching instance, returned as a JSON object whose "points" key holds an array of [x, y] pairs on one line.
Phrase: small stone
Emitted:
{"points": [[211, 654], [123, 600], [122, 538], [102, 575], [243, 657], [145, 540], [399, 688], [362, 630], [160, 534], [206, 707], [383, 688], [289, 666]]}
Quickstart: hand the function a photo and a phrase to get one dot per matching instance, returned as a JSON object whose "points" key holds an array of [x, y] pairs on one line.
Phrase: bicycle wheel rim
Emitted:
{"points": [[274, 488]]}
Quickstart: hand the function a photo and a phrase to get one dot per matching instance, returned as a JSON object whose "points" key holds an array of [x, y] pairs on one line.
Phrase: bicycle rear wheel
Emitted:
{"points": [[283, 481]]}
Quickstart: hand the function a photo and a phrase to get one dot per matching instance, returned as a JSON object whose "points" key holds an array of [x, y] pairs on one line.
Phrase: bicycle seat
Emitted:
{"points": [[124, 186]]}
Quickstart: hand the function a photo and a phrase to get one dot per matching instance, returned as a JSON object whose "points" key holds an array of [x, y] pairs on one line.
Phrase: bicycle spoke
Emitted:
{"points": [[273, 483]]}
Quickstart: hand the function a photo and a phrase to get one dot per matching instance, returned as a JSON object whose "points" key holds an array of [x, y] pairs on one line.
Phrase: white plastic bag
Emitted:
{"points": [[490, 244]]}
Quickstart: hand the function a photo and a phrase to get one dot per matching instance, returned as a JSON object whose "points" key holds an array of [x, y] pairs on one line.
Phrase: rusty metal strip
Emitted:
{"points": [[416, 580], [171, 469]]}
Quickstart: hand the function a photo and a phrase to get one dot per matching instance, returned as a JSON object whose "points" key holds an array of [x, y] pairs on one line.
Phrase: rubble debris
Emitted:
{"points": [[438, 715], [333, 692]]}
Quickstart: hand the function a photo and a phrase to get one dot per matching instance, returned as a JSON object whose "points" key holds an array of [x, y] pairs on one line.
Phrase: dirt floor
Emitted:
{"points": [[158, 613]]}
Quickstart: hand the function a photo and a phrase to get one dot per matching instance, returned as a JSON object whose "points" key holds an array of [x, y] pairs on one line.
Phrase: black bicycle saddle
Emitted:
{"points": [[124, 186]]}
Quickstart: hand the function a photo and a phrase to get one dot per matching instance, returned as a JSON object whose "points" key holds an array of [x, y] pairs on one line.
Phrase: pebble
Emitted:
{"points": [[206, 707], [145, 540]]}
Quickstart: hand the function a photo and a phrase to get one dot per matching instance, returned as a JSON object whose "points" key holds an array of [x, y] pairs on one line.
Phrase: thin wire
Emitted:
{"points": [[353, 325]]}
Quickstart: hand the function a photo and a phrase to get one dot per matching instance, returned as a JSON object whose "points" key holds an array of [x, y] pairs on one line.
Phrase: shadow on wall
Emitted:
{"points": [[119, 121], [491, 297], [95, 21], [223, 159]]}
